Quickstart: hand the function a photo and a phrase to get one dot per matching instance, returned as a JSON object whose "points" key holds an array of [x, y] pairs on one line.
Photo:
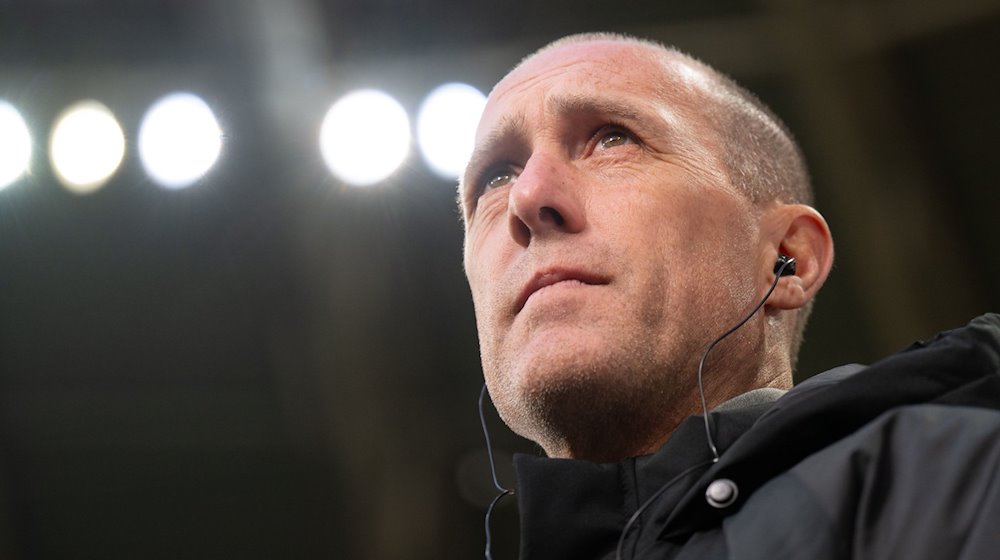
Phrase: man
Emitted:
{"points": [[624, 207]]}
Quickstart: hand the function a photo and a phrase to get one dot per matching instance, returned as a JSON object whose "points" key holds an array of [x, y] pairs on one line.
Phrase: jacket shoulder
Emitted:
{"points": [[917, 482]]}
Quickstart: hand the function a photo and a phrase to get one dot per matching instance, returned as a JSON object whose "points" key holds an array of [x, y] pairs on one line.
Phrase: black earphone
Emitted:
{"points": [[784, 266]]}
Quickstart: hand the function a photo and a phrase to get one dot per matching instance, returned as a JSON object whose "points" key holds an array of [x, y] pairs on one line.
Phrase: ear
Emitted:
{"points": [[798, 231]]}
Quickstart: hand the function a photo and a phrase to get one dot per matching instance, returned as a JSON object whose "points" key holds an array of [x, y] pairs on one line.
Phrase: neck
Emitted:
{"points": [[630, 431]]}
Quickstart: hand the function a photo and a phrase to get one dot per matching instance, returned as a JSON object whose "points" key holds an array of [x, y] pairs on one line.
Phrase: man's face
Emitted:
{"points": [[604, 246]]}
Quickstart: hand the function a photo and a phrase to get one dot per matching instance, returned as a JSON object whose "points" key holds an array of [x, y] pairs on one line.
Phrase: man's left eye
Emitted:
{"points": [[613, 139]]}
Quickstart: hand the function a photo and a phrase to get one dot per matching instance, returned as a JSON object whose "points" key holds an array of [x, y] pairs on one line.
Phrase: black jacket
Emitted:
{"points": [[900, 459]]}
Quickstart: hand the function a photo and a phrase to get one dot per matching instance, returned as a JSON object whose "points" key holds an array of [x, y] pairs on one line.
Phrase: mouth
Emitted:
{"points": [[552, 276]]}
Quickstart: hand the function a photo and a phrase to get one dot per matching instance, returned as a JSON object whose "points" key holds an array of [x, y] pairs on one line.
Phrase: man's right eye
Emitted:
{"points": [[497, 180]]}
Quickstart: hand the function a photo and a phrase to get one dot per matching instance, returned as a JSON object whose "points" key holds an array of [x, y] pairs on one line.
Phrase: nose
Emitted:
{"points": [[545, 199]]}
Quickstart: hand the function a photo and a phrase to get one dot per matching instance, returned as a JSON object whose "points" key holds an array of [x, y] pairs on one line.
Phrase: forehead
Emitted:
{"points": [[605, 67], [663, 96]]}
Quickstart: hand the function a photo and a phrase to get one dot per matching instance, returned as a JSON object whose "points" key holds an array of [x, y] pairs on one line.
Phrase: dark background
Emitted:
{"points": [[271, 364]]}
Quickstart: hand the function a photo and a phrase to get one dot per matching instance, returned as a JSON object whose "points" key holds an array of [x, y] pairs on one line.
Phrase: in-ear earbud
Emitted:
{"points": [[785, 266]]}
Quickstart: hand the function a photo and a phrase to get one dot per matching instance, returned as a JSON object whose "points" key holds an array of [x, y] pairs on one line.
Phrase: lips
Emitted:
{"points": [[552, 276]]}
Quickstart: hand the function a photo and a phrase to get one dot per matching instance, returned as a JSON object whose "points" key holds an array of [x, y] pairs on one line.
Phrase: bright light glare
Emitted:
{"points": [[86, 147], [364, 137], [15, 145], [179, 140], [446, 127]]}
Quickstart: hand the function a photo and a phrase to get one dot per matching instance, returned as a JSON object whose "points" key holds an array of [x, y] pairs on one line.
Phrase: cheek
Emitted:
{"points": [[484, 266], [693, 244], [713, 224], [483, 231], [479, 290]]}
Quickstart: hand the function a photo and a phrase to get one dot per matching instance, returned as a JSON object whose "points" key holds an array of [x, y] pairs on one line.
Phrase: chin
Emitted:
{"points": [[560, 358], [580, 400]]}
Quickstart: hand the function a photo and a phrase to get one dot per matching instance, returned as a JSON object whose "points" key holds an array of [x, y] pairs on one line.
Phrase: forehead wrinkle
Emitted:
{"points": [[574, 104]]}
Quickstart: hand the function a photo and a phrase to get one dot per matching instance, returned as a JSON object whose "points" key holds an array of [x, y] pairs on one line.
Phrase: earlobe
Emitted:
{"points": [[800, 232]]}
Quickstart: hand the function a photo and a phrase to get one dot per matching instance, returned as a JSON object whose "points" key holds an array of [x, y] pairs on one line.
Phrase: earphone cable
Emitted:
{"points": [[493, 472], [782, 265]]}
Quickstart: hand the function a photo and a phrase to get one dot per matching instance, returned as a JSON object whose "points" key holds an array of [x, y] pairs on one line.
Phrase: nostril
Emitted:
{"points": [[520, 232], [548, 213]]}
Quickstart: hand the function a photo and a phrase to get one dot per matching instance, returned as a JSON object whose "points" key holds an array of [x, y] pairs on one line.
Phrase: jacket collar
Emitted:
{"points": [[578, 509], [961, 366]]}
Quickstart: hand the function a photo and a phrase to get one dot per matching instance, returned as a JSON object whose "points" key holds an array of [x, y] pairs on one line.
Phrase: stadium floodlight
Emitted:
{"points": [[446, 127], [15, 145], [365, 137], [179, 140], [86, 147]]}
